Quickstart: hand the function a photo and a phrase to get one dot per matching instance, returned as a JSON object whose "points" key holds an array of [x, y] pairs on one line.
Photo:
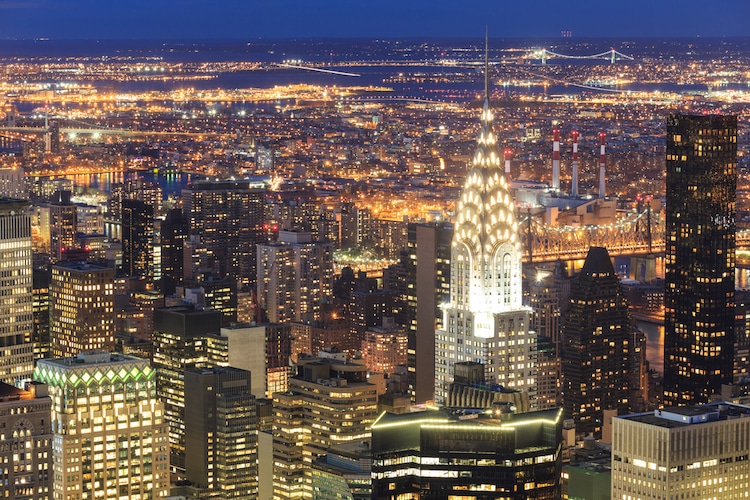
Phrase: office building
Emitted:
{"points": [[13, 183], [89, 219], [344, 473], [308, 339], [82, 316], [16, 308], [221, 433], [40, 300], [26, 453], [295, 209], [700, 256], [485, 320], [174, 232], [134, 189], [425, 290], [110, 436], [328, 402], [137, 239], [295, 277], [366, 308], [264, 350], [596, 345], [179, 342], [221, 295], [228, 216], [63, 224], [384, 348], [457, 453], [694, 451], [469, 390]]}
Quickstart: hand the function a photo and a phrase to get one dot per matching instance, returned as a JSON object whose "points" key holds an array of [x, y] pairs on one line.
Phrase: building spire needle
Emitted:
{"points": [[487, 63]]}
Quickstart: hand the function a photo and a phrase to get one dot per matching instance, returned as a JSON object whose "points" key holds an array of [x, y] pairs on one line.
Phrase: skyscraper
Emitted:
{"points": [[485, 321], [179, 341], [220, 427], [454, 453], [110, 435], [40, 297], [701, 450], [700, 256], [16, 307], [596, 345], [63, 224], [82, 314], [137, 239], [328, 402], [427, 285], [174, 232], [229, 217], [295, 277]]}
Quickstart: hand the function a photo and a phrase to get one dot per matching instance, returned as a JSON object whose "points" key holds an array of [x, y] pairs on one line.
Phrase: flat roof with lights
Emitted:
{"points": [[680, 416]]}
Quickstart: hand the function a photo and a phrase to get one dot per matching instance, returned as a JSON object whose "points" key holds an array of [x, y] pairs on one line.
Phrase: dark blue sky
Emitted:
{"points": [[248, 19]]}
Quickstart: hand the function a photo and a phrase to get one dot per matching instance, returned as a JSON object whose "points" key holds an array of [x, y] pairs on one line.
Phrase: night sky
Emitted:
{"points": [[252, 19]]}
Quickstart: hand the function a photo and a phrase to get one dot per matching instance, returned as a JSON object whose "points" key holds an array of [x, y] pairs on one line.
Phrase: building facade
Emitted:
{"points": [[427, 289], [137, 239], [228, 216], [63, 224], [452, 453], [16, 308], [295, 277], [700, 256], [596, 346], [82, 314], [328, 402], [179, 341], [695, 451], [110, 436], [26, 436], [221, 433]]}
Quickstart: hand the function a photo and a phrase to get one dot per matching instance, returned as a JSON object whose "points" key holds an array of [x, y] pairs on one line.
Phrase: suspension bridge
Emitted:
{"points": [[612, 55]]}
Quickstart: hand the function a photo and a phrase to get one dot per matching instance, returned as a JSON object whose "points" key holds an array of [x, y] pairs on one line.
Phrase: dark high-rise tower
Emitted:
{"points": [[137, 239], [428, 284], [174, 232], [596, 344], [228, 216], [700, 256]]}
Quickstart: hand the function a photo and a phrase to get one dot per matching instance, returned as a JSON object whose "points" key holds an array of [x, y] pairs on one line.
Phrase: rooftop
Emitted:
{"points": [[681, 416], [11, 393], [82, 266], [91, 358], [477, 416]]}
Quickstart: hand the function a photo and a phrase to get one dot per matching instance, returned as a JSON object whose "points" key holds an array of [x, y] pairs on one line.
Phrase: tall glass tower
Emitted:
{"points": [[700, 257], [17, 306], [485, 321]]}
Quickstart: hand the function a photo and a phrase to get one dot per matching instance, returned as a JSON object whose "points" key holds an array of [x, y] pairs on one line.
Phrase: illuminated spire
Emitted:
{"points": [[486, 231]]}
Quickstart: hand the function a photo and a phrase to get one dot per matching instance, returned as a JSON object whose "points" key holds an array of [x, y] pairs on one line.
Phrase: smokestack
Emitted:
{"points": [[507, 162], [574, 181], [556, 160], [602, 165]]}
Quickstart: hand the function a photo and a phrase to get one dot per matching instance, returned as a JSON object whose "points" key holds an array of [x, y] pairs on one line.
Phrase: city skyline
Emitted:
{"points": [[201, 19], [255, 278]]}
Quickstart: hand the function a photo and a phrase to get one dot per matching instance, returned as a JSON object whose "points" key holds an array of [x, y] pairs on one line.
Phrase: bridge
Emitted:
{"points": [[612, 55], [637, 233], [80, 127], [12, 145]]}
